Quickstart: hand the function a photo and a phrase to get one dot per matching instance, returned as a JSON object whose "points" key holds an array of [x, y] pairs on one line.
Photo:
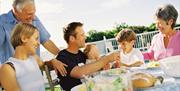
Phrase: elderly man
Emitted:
{"points": [[75, 59], [24, 11]]}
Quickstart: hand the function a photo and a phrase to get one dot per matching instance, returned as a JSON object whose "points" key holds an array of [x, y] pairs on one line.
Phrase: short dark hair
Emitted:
{"points": [[166, 13], [126, 35], [70, 30]]}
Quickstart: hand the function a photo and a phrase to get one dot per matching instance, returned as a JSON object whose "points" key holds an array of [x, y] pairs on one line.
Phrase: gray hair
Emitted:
{"points": [[166, 13], [19, 4]]}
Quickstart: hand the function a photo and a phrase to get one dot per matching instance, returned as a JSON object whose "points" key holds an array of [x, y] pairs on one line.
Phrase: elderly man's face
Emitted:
{"points": [[27, 14]]}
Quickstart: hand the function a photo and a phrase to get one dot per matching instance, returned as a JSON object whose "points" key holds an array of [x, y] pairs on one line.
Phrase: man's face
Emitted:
{"points": [[27, 14], [80, 37], [163, 26]]}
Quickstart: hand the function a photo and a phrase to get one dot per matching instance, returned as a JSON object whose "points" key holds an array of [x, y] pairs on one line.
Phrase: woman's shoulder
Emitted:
{"points": [[7, 69], [157, 36]]}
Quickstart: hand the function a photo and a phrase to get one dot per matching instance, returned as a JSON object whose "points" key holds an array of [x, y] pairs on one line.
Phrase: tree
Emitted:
{"points": [[94, 35]]}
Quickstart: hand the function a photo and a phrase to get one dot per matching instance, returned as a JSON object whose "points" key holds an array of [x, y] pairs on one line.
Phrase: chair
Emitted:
{"points": [[52, 83]]}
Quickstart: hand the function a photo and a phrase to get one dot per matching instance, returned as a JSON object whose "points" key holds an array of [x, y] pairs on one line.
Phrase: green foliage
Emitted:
{"points": [[177, 25], [94, 35]]}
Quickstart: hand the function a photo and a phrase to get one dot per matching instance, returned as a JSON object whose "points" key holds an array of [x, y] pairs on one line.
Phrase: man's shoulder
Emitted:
{"points": [[63, 52], [4, 18]]}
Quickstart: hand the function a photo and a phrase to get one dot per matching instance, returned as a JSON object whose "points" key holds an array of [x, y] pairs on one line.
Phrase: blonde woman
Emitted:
{"points": [[21, 72]]}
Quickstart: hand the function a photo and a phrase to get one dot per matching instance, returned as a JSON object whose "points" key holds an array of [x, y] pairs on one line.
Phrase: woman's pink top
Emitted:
{"points": [[158, 51]]}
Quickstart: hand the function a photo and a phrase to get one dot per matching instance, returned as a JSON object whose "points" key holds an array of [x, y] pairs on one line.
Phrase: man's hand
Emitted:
{"points": [[59, 66], [114, 56]]}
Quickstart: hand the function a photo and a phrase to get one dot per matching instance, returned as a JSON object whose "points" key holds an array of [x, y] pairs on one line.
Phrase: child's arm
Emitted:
{"points": [[8, 78], [136, 64]]}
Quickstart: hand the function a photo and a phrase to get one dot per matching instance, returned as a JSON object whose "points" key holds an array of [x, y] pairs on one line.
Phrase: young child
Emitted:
{"points": [[92, 53], [129, 56], [21, 72]]}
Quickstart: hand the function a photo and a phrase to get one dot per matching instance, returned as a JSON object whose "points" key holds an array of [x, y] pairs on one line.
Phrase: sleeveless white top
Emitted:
{"points": [[28, 74]]}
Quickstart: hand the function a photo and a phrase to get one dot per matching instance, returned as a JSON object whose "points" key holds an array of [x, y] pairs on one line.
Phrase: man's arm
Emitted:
{"points": [[51, 47], [8, 78], [50, 65], [87, 69], [58, 65]]}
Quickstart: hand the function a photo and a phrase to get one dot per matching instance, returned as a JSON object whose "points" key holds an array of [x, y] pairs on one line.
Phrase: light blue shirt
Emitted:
{"points": [[7, 23]]}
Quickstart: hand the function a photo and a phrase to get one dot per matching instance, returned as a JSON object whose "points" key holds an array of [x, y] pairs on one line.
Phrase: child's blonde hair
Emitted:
{"points": [[21, 29], [126, 35], [88, 49]]}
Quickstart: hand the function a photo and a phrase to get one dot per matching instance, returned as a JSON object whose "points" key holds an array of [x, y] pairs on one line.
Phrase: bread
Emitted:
{"points": [[143, 80]]}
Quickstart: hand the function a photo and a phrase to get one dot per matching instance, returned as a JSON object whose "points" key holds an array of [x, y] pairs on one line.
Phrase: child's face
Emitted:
{"points": [[126, 46], [94, 52], [32, 43]]}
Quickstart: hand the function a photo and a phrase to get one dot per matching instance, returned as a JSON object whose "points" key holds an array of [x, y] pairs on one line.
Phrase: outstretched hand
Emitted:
{"points": [[114, 56]]}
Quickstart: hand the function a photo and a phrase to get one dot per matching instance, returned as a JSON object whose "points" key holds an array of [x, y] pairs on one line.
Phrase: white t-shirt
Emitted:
{"points": [[132, 57]]}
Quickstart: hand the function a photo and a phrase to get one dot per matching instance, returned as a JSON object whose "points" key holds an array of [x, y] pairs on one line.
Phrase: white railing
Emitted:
{"points": [[143, 41]]}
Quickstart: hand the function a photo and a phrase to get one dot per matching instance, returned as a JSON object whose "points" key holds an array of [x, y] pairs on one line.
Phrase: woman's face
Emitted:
{"points": [[163, 26], [32, 43]]}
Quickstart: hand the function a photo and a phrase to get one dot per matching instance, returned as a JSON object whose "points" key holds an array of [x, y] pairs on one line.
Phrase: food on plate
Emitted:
{"points": [[116, 84], [153, 64], [143, 80]]}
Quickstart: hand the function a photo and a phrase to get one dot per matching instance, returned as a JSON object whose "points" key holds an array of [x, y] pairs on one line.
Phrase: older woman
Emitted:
{"points": [[167, 41]]}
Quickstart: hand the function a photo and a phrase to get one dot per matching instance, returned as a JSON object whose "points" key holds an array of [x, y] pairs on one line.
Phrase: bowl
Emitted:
{"points": [[171, 66]]}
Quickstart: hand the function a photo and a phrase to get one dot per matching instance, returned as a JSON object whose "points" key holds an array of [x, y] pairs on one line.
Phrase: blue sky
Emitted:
{"points": [[95, 14]]}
